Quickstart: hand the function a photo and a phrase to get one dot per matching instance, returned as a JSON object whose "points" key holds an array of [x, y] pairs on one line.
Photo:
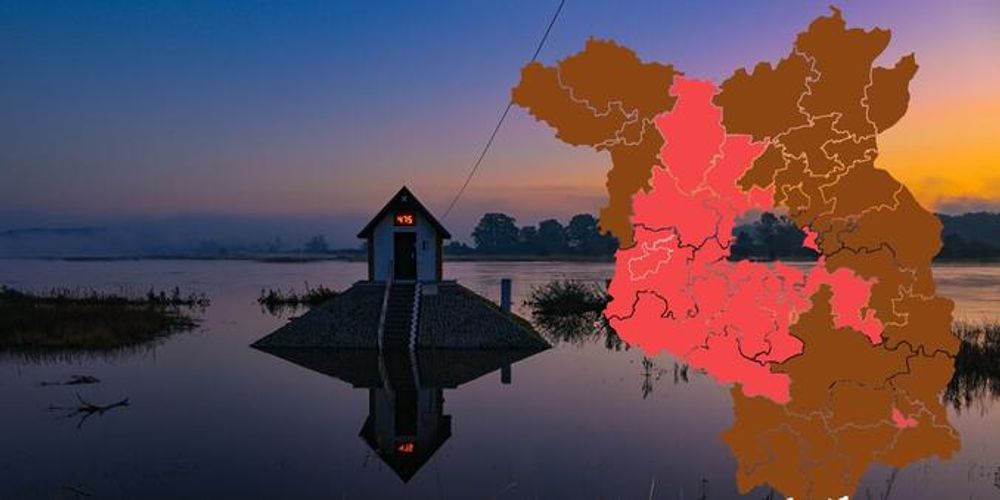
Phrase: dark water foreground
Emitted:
{"points": [[209, 416]]}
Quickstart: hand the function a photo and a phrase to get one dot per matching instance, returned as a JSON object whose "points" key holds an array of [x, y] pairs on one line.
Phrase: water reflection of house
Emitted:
{"points": [[406, 427], [406, 423]]}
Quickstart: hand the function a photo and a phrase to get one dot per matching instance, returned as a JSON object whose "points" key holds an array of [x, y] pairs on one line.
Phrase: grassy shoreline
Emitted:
{"points": [[61, 320], [276, 301]]}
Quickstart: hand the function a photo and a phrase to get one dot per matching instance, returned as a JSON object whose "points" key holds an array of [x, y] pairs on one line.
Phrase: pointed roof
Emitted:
{"points": [[404, 200]]}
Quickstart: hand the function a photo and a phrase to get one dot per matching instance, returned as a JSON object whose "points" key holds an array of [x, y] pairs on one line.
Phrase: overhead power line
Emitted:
{"points": [[496, 129]]}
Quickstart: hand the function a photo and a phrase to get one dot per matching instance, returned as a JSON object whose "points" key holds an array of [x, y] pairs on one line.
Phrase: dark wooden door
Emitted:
{"points": [[406, 412], [405, 256]]}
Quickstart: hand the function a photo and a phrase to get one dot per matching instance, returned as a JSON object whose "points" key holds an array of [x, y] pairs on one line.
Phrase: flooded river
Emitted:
{"points": [[211, 417]]}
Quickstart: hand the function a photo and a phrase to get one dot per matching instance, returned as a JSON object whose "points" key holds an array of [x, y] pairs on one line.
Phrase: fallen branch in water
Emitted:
{"points": [[74, 380], [77, 491], [86, 409]]}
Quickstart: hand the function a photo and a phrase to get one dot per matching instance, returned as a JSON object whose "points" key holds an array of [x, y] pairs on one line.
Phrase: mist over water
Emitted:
{"points": [[66, 236]]}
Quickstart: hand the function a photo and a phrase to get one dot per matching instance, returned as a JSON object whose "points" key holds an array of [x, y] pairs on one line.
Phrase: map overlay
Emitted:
{"points": [[835, 365]]}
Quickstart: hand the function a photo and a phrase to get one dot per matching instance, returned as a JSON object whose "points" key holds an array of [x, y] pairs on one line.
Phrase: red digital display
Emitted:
{"points": [[405, 219], [406, 448]]}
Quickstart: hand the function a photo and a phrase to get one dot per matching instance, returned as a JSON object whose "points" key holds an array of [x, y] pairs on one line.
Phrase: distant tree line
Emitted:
{"points": [[967, 237], [972, 236], [499, 234], [316, 244], [769, 238]]}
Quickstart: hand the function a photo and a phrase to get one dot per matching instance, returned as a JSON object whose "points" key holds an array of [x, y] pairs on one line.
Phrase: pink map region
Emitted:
{"points": [[675, 290], [902, 421]]}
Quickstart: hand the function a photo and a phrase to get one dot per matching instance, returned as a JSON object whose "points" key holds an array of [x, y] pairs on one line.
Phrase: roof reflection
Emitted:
{"points": [[406, 423]]}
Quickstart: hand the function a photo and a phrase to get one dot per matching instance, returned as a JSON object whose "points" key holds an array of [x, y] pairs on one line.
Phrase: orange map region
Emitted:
{"points": [[835, 366]]}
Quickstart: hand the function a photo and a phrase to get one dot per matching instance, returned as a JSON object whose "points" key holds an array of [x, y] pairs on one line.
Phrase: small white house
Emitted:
{"points": [[404, 241]]}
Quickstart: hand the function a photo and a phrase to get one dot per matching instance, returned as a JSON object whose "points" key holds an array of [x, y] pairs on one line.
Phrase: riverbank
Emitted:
{"points": [[61, 319]]}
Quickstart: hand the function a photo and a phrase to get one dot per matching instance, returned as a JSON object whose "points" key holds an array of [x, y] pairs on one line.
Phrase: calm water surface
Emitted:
{"points": [[211, 417]]}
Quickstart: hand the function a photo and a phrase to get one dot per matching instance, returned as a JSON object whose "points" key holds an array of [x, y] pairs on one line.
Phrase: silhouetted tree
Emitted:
{"points": [[528, 239], [580, 229], [457, 248], [583, 236], [771, 237], [552, 237], [743, 246], [765, 232], [974, 226], [973, 236], [496, 233], [955, 247], [317, 244]]}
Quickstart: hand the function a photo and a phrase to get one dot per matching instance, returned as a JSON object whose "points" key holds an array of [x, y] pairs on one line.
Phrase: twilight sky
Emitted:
{"points": [[126, 108]]}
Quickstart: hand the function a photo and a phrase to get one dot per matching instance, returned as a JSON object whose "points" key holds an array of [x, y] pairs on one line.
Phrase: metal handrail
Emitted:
{"points": [[414, 319], [385, 306], [415, 316]]}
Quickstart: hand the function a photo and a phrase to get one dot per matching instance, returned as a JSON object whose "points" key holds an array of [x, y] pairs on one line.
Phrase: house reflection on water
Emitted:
{"points": [[406, 421], [406, 334]]}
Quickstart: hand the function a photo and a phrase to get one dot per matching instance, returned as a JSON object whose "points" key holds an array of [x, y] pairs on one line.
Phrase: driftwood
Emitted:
{"points": [[87, 409], [74, 380], [77, 491]]}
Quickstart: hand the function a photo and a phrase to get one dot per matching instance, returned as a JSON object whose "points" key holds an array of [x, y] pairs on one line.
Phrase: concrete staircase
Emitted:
{"points": [[399, 373], [399, 316]]}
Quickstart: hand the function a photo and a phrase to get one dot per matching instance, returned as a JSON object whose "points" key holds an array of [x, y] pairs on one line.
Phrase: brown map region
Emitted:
{"points": [[820, 110], [604, 97]]}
